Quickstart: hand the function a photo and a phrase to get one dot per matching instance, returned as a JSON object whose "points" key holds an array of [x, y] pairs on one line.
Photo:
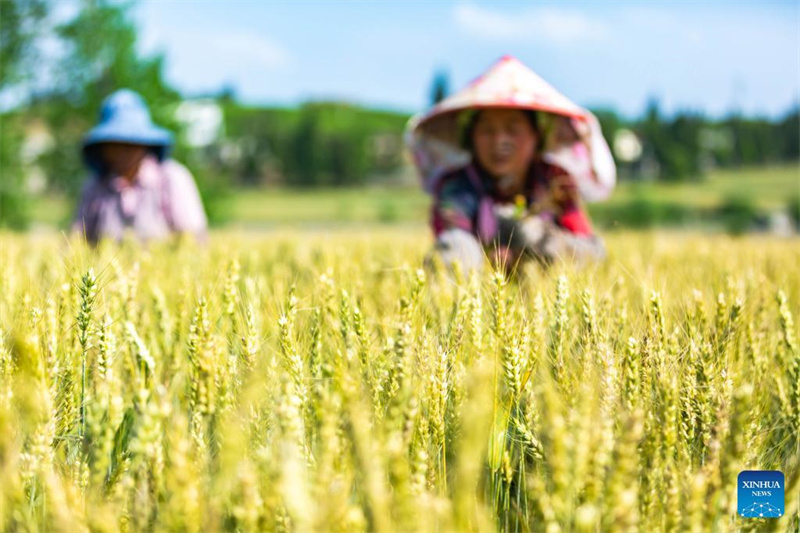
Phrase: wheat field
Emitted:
{"points": [[307, 381]]}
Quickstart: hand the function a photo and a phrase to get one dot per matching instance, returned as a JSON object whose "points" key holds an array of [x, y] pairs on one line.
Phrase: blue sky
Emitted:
{"points": [[705, 56]]}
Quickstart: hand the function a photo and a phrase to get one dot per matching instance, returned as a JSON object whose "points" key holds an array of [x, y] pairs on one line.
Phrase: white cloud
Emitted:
{"points": [[546, 25]]}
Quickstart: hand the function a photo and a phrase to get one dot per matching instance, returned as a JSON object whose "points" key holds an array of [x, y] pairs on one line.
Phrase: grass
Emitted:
{"points": [[768, 188], [329, 206], [320, 381]]}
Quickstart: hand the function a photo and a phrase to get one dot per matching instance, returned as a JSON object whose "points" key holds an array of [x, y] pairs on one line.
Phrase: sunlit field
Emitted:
{"points": [[323, 381], [768, 188]]}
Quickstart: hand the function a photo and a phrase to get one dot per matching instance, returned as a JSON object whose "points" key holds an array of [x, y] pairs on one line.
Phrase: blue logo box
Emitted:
{"points": [[761, 494]]}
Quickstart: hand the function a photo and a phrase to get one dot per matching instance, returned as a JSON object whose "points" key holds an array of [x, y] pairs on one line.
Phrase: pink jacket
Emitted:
{"points": [[162, 200]]}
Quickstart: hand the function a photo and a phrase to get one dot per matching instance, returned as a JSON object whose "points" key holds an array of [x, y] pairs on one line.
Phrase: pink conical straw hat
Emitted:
{"points": [[507, 83], [434, 137]]}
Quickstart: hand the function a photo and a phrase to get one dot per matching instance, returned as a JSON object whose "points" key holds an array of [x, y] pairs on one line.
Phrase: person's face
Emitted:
{"points": [[504, 142], [123, 159]]}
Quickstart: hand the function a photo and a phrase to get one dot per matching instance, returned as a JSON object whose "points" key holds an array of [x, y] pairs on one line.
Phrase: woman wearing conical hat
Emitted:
{"points": [[508, 161], [134, 188]]}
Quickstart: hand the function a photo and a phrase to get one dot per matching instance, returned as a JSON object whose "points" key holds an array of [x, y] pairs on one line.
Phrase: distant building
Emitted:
{"points": [[36, 142], [633, 161], [202, 121], [627, 146]]}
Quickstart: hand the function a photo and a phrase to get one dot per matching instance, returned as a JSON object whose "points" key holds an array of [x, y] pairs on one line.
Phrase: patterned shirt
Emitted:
{"points": [[467, 200]]}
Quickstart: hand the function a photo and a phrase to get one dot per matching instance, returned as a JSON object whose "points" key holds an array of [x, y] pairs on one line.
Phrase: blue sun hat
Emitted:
{"points": [[124, 118]]}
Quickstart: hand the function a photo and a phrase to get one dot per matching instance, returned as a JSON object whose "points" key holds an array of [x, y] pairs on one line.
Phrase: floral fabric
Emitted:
{"points": [[468, 201]]}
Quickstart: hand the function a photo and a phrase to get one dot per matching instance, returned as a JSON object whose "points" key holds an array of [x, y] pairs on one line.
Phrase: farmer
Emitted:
{"points": [[134, 188], [508, 161]]}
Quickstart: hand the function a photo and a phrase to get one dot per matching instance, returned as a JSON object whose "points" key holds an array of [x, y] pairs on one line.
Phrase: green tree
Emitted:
{"points": [[306, 149], [440, 88], [789, 134], [674, 143], [102, 58], [19, 29]]}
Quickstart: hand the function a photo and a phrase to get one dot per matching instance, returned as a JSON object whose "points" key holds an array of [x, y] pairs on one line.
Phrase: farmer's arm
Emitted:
{"points": [[570, 233], [453, 214], [185, 204], [571, 216]]}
